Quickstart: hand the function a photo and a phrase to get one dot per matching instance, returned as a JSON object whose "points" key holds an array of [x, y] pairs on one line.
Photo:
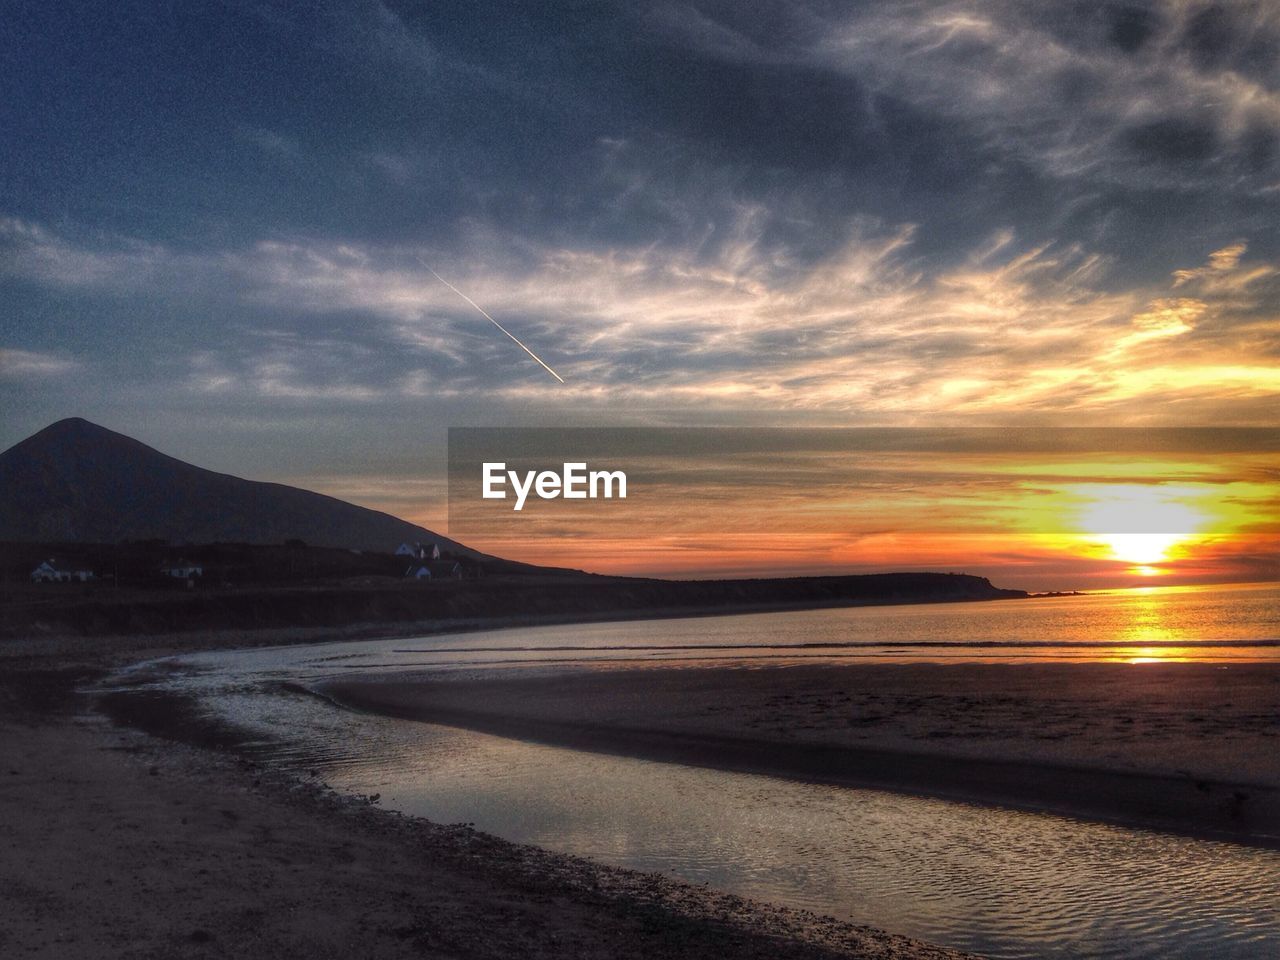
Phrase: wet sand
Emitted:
{"points": [[118, 843], [1193, 747]]}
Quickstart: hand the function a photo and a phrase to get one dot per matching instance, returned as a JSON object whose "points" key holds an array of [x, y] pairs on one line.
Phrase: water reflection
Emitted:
{"points": [[1156, 622], [1152, 619], [1002, 883]]}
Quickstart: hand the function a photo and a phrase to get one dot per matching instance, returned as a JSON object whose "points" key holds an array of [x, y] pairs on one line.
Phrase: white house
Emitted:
{"points": [[446, 570], [50, 572], [419, 551], [46, 573]]}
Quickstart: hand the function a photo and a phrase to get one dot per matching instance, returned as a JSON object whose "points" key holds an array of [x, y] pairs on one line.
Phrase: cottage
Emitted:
{"points": [[436, 570], [50, 572], [419, 551]]}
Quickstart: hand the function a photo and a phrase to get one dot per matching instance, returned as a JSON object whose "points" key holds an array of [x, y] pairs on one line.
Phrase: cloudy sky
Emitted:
{"points": [[216, 220]]}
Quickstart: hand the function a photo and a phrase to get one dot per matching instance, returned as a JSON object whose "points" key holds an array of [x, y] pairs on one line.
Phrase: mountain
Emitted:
{"points": [[77, 481]]}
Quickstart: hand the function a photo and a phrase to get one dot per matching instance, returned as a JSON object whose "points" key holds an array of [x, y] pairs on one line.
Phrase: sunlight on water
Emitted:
{"points": [[1228, 623]]}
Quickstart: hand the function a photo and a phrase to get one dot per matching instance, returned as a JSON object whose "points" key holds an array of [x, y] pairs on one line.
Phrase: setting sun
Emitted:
{"points": [[1143, 524], [1142, 548]]}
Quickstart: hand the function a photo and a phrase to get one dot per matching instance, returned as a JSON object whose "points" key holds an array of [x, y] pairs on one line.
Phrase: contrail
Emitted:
{"points": [[491, 320]]}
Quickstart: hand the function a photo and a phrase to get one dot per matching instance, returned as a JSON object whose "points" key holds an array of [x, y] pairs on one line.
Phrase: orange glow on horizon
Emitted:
{"points": [[1040, 521]]}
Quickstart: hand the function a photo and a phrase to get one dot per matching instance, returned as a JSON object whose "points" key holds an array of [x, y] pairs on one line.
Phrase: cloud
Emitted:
{"points": [[32, 364], [1162, 94], [1012, 331], [1222, 273], [271, 143], [284, 366], [34, 252]]}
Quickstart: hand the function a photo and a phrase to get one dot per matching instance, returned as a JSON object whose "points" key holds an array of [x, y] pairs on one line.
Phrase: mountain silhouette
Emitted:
{"points": [[77, 481]]}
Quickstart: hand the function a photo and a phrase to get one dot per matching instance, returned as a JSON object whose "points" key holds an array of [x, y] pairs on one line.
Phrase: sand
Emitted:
{"points": [[1185, 746], [119, 844]]}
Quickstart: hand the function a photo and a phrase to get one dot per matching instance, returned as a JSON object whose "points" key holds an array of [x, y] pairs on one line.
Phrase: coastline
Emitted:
{"points": [[117, 649], [1027, 746], [393, 606], [127, 843], [260, 829]]}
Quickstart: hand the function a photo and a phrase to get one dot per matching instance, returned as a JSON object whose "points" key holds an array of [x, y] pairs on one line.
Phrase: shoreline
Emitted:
{"points": [[126, 842], [120, 649], [701, 720]]}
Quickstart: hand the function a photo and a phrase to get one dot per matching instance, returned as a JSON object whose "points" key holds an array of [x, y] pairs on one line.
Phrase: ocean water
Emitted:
{"points": [[1003, 883], [1238, 622]]}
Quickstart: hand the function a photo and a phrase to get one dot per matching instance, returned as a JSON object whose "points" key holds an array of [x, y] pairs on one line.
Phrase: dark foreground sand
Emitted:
{"points": [[117, 844], [1193, 747]]}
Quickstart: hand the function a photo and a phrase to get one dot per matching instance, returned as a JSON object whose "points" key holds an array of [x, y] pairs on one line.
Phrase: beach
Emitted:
{"points": [[138, 824], [123, 844], [1183, 746]]}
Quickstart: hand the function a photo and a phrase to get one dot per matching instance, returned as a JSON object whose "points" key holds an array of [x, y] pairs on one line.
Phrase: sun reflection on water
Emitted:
{"points": [[1150, 625]]}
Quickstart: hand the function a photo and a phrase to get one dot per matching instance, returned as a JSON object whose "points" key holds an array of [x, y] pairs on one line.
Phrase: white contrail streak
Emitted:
{"points": [[491, 320]]}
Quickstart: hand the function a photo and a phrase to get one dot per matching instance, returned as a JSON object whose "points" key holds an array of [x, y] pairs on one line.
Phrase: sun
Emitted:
{"points": [[1142, 549], [1142, 525]]}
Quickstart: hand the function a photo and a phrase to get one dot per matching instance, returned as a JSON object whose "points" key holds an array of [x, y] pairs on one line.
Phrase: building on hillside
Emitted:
{"points": [[51, 572], [419, 551], [436, 570]]}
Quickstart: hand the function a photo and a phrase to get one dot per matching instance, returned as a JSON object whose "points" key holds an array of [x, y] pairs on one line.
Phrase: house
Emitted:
{"points": [[419, 551], [50, 572], [183, 570], [436, 570], [46, 573]]}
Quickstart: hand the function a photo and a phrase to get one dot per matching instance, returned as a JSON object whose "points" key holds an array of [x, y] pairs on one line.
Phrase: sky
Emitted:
{"points": [[1033, 507], [218, 221]]}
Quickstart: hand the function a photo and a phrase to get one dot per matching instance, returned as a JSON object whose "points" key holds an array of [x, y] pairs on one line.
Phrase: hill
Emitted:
{"points": [[79, 482]]}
